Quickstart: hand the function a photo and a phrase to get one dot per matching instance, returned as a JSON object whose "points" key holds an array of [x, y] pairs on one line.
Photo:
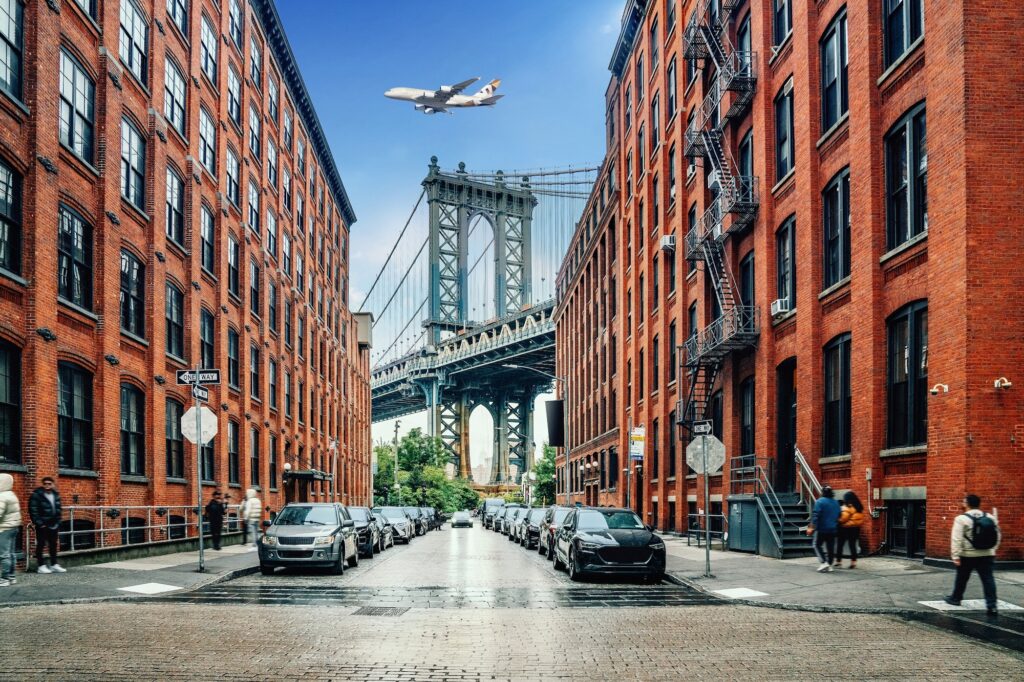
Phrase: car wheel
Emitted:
{"points": [[551, 552], [266, 570], [370, 553], [558, 563], [656, 579], [540, 549], [339, 566], [574, 571], [354, 559]]}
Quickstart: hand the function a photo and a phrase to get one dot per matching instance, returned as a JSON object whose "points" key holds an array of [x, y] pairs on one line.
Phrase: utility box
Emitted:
{"points": [[744, 521], [364, 329]]}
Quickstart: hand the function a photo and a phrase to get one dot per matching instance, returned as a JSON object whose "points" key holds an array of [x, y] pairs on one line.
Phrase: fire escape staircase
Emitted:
{"points": [[733, 208]]}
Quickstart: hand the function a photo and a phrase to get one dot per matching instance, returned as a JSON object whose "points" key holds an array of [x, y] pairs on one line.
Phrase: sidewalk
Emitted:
{"points": [[877, 585], [131, 578]]}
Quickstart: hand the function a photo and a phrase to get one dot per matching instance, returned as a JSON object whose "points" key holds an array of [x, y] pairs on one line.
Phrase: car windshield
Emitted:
{"points": [[461, 516], [378, 517], [560, 515], [358, 514], [536, 515], [412, 511], [393, 513], [307, 516], [614, 520]]}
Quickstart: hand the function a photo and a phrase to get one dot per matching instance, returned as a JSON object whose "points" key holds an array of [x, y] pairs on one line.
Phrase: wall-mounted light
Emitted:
{"points": [[1002, 382], [47, 334], [112, 359], [937, 388], [159, 378]]}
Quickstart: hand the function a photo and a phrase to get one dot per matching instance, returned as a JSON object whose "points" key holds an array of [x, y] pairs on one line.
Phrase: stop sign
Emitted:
{"points": [[206, 429]]}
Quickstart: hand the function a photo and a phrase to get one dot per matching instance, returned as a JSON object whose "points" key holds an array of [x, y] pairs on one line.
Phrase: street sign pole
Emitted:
{"points": [[707, 509], [199, 468]]}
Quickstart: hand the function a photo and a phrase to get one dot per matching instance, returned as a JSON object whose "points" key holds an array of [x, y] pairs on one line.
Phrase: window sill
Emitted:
{"points": [[135, 79], [77, 160], [176, 246], [904, 247], [835, 459], [15, 101], [175, 479], [134, 209], [901, 60], [845, 281], [12, 466], [133, 478], [132, 337], [78, 309], [78, 473], [234, 485], [903, 452], [776, 321], [784, 179], [843, 120], [778, 50], [179, 360], [234, 298], [213, 484], [14, 277]]}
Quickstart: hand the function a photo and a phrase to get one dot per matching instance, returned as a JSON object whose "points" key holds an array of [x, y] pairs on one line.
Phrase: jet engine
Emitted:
{"points": [[421, 107], [428, 110]]}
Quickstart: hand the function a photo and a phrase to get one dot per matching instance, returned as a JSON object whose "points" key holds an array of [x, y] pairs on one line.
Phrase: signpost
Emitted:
{"points": [[637, 438], [199, 426], [705, 455]]}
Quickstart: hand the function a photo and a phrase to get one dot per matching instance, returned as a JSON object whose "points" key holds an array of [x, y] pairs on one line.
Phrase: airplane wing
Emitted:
{"points": [[451, 90]]}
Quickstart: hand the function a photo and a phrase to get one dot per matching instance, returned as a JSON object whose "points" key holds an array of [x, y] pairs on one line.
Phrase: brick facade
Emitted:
{"points": [[962, 267], [44, 329]]}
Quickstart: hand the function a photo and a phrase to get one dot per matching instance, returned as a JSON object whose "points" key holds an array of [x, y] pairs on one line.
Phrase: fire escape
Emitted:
{"points": [[734, 202]]}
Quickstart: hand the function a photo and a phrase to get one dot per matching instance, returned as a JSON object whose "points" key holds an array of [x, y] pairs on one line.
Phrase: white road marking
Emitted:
{"points": [[740, 593], [149, 588]]}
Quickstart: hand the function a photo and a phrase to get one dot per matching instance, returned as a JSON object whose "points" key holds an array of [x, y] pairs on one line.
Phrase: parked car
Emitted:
{"points": [[506, 518], [419, 523], [513, 523], [489, 508], [608, 541], [432, 518], [309, 535], [366, 531], [403, 527], [529, 527], [548, 525], [461, 519], [385, 532]]}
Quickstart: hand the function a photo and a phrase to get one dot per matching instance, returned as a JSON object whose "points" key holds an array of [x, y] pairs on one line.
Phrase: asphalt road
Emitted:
{"points": [[466, 604]]}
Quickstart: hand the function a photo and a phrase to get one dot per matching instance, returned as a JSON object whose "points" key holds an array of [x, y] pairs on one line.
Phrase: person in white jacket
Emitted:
{"points": [[252, 514], [970, 553], [10, 522]]}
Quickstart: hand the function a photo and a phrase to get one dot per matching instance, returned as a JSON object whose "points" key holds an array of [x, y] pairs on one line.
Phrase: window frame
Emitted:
{"points": [[133, 295], [834, 46], [10, 403], [207, 141], [133, 163], [74, 424], [207, 338], [835, 223], [13, 82], [174, 218], [908, 37], [133, 435], [912, 128], [837, 416], [174, 320], [77, 119], [785, 153], [11, 188], [234, 362], [136, 61], [914, 429], [174, 441], [208, 56], [785, 261], [208, 248], [75, 259]]}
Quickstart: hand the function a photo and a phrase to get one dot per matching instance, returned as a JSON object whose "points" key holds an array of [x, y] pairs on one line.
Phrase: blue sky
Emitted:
{"points": [[552, 57]]}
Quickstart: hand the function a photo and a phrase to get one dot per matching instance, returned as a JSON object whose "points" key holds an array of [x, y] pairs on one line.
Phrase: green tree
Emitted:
{"points": [[421, 476], [544, 468]]}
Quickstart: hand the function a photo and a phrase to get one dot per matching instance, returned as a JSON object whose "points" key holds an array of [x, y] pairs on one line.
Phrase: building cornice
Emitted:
{"points": [[632, 17], [266, 12]]}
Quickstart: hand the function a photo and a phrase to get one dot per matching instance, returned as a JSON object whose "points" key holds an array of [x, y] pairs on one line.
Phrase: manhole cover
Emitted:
{"points": [[380, 611]]}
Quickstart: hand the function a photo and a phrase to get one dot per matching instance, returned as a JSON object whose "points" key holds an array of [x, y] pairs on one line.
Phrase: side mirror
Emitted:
{"points": [[649, 527], [266, 524], [348, 523]]}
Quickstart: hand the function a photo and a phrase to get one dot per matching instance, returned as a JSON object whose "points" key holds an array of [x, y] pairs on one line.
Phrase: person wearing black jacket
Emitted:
{"points": [[45, 510], [215, 512]]}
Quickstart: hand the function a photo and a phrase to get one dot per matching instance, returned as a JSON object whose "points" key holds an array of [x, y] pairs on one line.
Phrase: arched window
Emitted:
{"points": [[133, 439], [74, 416]]}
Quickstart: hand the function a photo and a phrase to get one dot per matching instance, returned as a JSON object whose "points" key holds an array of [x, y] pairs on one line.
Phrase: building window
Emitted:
{"points": [[836, 222], [233, 377], [671, 436], [286, 254], [691, 229], [233, 265], [301, 390], [908, 375], [784, 158], [838, 415], [272, 381], [74, 259], [255, 63], [906, 174], [782, 21], [271, 163], [77, 108], [640, 376], [300, 156], [74, 417], [233, 452], [272, 98], [300, 272], [287, 322], [175, 441], [208, 50], [235, 22], [271, 234], [175, 313], [691, 320], [10, 403], [206, 339], [232, 171], [254, 372], [234, 96], [254, 207], [747, 416], [834, 95], [12, 43], [673, 357], [639, 80], [254, 288], [207, 141], [175, 222], [273, 462], [302, 335], [133, 295], [904, 24], [655, 364], [133, 164], [288, 394], [655, 449], [655, 123], [10, 219], [747, 280], [272, 306], [133, 440], [134, 39], [254, 131], [670, 103], [785, 253], [207, 238], [177, 12]]}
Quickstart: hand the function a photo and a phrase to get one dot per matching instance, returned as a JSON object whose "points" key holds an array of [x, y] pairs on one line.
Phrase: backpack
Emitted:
{"points": [[984, 533]]}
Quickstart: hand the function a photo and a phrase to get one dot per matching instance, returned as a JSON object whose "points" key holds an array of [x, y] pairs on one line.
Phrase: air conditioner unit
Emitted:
{"points": [[716, 232], [714, 178], [780, 306], [668, 242]]}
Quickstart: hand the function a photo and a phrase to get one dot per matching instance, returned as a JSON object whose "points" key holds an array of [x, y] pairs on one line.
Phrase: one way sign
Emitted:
{"points": [[206, 376]]}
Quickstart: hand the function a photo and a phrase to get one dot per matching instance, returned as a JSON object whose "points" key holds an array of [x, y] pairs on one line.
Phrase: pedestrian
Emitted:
{"points": [[215, 512], [824, 523], [851, 518], [45, 510], [10, 522], [252, 514], [973, 544]]}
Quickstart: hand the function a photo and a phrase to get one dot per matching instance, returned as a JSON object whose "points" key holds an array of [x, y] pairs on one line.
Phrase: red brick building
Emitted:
{"points": [[829, 290], [168, 199]]}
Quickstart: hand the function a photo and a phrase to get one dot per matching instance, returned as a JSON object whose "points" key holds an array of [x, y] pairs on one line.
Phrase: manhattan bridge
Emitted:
{"points": [[463, 306]]}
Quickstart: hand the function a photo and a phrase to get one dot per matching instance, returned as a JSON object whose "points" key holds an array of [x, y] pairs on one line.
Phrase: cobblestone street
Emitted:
{"points": [[472, 606]]}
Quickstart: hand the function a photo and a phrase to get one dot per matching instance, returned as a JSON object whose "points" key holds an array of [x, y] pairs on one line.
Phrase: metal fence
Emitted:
{"points": [[719, 526]]}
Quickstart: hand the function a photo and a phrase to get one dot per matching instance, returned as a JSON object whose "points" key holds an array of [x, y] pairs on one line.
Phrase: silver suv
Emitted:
{"points": [[309, 535]]}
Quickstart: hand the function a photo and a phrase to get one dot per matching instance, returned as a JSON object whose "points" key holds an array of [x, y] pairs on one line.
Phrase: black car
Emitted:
{"points": [[513, 523], [506, 518], [385, 532], [529, 527], [608, 541], [489, 508], [548, 525], [417, 518], [367, 533]]}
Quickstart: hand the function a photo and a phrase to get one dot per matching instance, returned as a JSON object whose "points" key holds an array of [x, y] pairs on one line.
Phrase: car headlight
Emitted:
{"points": [[324, 540], [591, 546], [270, 540], [657, 545]]}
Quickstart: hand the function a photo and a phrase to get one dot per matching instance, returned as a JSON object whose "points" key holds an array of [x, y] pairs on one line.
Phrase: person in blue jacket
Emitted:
{"points": [[824, 526]]}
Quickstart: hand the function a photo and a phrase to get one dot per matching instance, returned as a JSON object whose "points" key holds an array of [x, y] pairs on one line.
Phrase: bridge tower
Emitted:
{"points": [[454, 200]]}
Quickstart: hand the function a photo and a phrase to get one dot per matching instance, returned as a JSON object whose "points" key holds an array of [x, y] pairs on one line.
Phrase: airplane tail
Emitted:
{"points": [[488, 90], [489, 101]]}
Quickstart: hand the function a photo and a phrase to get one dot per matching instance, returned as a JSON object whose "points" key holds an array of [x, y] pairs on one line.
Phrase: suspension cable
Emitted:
{"points": [[380, 315], [393, 249]]}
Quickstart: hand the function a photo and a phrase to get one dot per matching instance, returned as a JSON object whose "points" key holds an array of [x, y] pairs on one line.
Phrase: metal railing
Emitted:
{"points": [[86, 527], [751, 475], [734, 322], [695, 528], [809, 486]]}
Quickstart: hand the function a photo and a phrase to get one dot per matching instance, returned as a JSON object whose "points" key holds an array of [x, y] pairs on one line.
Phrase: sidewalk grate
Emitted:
{"points": [[393, 611]]}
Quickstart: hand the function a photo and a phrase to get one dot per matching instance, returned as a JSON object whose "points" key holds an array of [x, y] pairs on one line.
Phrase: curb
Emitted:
{"points": [[223, 577], [782, 606]]}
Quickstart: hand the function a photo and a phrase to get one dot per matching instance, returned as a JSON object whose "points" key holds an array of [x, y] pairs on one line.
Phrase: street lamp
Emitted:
{"points": [[565, 392]]}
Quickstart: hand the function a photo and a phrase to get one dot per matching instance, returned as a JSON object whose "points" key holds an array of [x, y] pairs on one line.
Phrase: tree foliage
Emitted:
{"points": [[421, 476], [544, 468]]}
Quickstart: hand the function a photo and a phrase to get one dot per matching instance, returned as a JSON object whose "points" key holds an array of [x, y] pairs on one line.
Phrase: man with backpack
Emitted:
{"points": [[973, 547]]}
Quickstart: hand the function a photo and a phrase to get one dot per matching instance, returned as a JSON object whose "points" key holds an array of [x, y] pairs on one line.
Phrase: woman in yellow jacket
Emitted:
{"points": [[851, 518]]}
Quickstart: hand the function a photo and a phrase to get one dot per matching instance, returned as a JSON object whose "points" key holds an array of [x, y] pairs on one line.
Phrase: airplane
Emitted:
{"points": [[447, 96]]}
